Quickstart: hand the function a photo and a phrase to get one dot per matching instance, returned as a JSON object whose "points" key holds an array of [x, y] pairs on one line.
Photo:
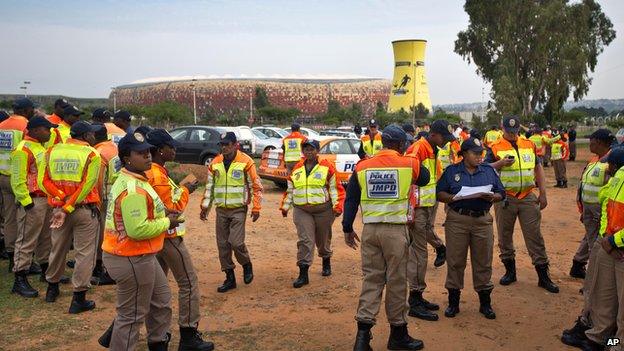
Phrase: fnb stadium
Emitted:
{"points": [[308, 94]]}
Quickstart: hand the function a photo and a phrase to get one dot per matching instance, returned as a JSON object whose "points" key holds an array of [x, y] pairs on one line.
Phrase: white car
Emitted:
{"points": [[263, 143], [271, 132], [309, 133], [243, 133]]}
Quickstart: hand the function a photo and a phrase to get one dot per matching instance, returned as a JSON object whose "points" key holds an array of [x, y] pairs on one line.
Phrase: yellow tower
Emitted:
{"points": [[409, 85]]}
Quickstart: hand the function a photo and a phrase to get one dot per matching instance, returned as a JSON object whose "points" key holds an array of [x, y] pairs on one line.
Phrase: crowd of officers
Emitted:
{"points": [[102, 189]]}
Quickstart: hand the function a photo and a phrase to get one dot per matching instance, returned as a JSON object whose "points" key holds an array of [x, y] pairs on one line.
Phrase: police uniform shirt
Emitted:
{"points": [[455, 176]]}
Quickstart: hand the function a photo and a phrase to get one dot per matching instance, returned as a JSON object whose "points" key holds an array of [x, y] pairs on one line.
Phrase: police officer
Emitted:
{"points": [[136, 223], [12, 131], [469, 225], [492, 135], [175, 256], [69, 179], [370, 142], [291, 145], [57, 116], [317, 198], [606, 300], [232, 185], [71, 115], [385, 239], [102, 115], [33, 215], [593, 179], [421, 232], [515, 159], [123, 120]]}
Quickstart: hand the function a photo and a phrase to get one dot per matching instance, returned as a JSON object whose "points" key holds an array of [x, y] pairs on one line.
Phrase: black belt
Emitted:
{"points": [[37, 195], [471, 213]]}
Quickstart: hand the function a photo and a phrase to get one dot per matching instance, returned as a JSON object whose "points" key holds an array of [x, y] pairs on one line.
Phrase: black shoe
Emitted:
{"points": [[575, 335], [247, 273], [34, 269], [53, 292], [564, 184], [420, 312], [544, 279], [80, 303], [577, 270], [161, 345], [400, 339], [416, 297], [453, 308], [11, 261], [363, 337], [485, 303], [326, 267], [440, 256], [303, 277], [22, 287], [590, 345], [558, 185], [105, 339], [229, 283], [191, 340], [70, 263], [510, 272]]}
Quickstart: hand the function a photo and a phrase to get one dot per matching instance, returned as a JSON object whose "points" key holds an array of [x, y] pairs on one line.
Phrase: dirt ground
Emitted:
{"points": [[270, 315]]}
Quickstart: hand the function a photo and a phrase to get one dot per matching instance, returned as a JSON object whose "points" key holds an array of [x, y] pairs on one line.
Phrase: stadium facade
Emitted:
{"points": [[310, 96]]}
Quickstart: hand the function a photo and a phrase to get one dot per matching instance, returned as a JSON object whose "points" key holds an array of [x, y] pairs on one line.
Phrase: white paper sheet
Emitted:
{"points": [[472, 192]]}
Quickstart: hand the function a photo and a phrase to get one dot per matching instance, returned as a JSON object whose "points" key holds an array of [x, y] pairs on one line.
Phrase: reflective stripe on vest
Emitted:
{"points": [[592, 181], [310, 189], [292, 149], [8, 142], [385, 194], [230, 190], [520, 175], [427, 193], [372, 149]]}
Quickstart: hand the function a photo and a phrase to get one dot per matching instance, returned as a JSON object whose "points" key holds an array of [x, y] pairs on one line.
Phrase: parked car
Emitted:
{"points": [[271, 132], [337, 133], [200, 144], [340, 151], [244, 136], [311, 134], [263, 143]]}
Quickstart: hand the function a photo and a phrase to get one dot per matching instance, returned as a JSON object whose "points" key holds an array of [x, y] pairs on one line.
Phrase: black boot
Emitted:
{"points": [[34, 269], [229, 283], [440, 256], [97, 271], [453, 307], [590, 345], [161, 345], [577, 270], [70, 263], [11, 262], [42, 276], [22, 287], [400, 340], [303, 277], [80, 303], [544, 279], [564, 184], [247, 273], [326, 267], [558, 185], [510, 272], [363, 337], [419, 307], [3, 254], [52, 293], [191, 340], [485, 303], [105, 339], [575, 335]]}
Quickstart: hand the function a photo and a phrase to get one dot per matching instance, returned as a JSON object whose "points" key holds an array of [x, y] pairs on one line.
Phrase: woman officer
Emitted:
{"points": [[136, 223], [469, 225], [317, 198]]}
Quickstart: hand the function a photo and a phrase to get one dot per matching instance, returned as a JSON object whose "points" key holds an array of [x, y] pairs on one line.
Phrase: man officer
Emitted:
{"points": [[384, 237], [516, 160]]}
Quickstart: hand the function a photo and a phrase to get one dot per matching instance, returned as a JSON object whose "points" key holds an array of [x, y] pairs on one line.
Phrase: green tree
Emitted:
{"points": [[534, 53], [278, 115], [166, 114], [261, 99]]}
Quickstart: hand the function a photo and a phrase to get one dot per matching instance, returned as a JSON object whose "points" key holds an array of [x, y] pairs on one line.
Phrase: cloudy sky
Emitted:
{"points": [[82, 48]]}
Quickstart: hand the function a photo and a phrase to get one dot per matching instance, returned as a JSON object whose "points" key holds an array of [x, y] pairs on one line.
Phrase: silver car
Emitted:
{"points": [[264, 143]]}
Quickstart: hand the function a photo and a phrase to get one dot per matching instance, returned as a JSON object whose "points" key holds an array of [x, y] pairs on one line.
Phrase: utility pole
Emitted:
{"points": [[251, 108], [114, 99], [194, 100]]}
